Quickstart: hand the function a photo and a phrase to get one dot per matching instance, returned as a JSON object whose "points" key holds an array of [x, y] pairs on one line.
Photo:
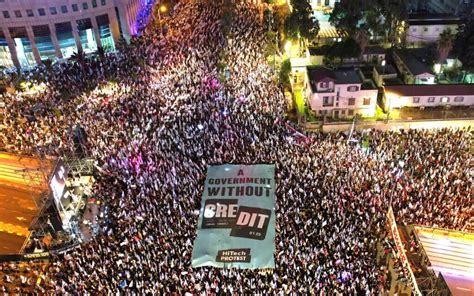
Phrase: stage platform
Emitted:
{"points": [[21, 186], [452, 254]]}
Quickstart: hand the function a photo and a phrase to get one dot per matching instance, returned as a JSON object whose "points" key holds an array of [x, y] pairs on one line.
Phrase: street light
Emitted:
{"points": [[163, 8]]}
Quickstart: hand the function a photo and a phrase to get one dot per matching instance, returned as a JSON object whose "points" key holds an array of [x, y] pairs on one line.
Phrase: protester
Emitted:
{"points": [[170, 113]]}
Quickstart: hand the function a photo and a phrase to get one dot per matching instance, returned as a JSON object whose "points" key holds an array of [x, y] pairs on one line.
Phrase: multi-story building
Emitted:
{"points": [[35, 30], [339, 93], [426, 28]]}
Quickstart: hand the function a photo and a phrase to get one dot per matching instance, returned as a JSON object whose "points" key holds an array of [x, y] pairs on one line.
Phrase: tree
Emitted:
{"points": [[285, 70], [362, 39], [373, 21], [292, 28], [300, 22], [48, 65], [464, 45], [344, 50], [346, 15], [101, 53], [395, 12], [445, 44], [80, 58]]}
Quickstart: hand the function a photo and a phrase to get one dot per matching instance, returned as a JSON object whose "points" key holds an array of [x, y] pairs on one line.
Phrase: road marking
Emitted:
{"points": [[464, 289]]}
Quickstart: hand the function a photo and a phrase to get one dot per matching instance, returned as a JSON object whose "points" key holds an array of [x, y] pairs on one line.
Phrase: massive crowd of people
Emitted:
{"points": [[169, 113]]}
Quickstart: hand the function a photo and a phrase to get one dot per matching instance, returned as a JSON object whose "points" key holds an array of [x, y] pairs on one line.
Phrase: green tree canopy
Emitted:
{"points": [[373, 21], [344, 50], [464, 45], [346, 15], [301, 22], [445, 44]]}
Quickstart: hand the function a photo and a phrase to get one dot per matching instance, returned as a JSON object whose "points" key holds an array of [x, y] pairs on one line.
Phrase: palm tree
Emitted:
{"points": [[100, 53], [445, 45], [362, 38], [80, 58], [48, 65]]}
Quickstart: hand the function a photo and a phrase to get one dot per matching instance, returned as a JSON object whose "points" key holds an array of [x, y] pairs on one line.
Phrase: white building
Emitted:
{"points": [[339, 93], [323, 3], [35, 30], [398, 96], [426, 28], [413, 70]]}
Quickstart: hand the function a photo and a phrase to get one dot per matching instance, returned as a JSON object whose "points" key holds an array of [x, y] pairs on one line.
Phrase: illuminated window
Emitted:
{"points": [[328, 101], [23, 47], [43, 42], [86, 35], [105, 33], [5, 56], [444, 99], [353, 88], [66, 40]]}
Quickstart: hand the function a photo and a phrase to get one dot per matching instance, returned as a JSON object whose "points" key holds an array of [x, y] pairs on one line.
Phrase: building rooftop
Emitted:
{"points": [[412, 60], [374, 50], [419, 19], [317, 74], [433, 22], [387, 70], [315, 51], [347, 76], [431, 90], [392, 81], [431, 16]]}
